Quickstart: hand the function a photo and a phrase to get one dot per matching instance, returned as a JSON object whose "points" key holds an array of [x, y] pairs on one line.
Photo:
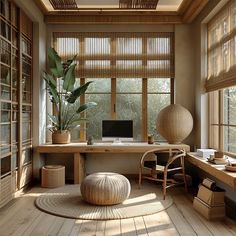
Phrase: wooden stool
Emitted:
{"points": [[53, 176]]}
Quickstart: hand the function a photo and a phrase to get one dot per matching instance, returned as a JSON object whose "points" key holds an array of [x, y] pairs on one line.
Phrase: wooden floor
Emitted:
{"points": [[21, 217]]}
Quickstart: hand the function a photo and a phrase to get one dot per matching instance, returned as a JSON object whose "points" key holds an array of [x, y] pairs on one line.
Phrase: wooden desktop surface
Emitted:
{"points": [[137, 147], [218, 171], [79, 151]]}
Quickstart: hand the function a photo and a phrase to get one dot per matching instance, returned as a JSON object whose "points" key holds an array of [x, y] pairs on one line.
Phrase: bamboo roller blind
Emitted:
{"points": [[118, 55], [221, 49]]}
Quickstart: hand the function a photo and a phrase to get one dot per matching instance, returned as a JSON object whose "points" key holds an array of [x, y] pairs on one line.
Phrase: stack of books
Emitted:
{"points": [[210, 200], [218, 161]]}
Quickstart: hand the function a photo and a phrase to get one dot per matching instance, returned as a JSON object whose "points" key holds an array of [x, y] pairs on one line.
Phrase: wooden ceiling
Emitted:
{"points": [[128, 12]]}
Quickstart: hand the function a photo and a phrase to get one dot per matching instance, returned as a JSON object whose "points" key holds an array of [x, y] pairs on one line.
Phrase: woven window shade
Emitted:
{"points": [[118, 55], [222, 49]]}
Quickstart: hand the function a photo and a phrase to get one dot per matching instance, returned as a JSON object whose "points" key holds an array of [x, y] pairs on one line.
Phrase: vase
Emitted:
{"points": [[61, 137], [174, 123]]}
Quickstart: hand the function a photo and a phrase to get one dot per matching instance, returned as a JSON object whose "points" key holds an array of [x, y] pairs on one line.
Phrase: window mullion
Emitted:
{"points": [[144, 93], [82, 115], [113, 80], [82, 97], [144, 110], [221, 120], [172, 89], [113, 98]]}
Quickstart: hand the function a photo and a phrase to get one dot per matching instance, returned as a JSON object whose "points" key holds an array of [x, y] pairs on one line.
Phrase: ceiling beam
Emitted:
{"points": [[193, 10], [184, 6], [112, 19]]}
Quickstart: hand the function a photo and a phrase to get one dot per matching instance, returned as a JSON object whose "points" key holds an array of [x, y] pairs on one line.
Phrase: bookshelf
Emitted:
{"points": [[15, 100]]}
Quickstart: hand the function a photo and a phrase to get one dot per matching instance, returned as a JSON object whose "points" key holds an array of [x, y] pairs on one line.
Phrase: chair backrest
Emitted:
{"points": [[174, 153]]}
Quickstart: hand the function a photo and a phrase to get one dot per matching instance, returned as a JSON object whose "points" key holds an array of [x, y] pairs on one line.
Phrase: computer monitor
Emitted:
{"points": [[117, 130]]}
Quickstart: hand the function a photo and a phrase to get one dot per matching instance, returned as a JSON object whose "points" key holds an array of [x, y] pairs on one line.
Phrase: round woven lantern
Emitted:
{"points": [[174, 123], [105, 188]]}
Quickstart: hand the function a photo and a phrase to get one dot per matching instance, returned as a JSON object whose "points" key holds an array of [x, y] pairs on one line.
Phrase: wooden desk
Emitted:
{"points": [[217, 171], [80, 149]]}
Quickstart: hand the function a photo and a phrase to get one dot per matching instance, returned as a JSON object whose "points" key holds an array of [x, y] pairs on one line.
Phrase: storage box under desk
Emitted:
{"points": [[209, 212], [212, 198]]}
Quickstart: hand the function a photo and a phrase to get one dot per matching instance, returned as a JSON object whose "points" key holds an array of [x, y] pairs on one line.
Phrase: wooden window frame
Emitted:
{"points": [[167, 72], [216, 121], [144, 107]]}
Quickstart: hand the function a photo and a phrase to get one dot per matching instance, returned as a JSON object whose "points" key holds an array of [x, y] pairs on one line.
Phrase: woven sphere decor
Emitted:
{"points": [[174, 123], [105, 188]]}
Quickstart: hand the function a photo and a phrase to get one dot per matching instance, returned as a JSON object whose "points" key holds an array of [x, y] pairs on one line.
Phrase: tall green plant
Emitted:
{"points": [[64, 94]]}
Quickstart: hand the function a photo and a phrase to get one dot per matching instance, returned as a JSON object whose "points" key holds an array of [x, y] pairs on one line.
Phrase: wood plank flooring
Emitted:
{"points": [[21, 217]]}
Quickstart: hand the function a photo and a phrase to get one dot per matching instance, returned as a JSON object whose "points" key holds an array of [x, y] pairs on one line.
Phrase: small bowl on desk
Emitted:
{"points": [[231, 167]]}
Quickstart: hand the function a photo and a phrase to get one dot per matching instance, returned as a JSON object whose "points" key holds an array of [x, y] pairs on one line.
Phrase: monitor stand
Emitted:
{"points": [[117, 141]]}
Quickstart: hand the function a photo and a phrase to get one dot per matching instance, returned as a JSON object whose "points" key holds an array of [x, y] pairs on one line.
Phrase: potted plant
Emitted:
{"points": [[64, 94]]}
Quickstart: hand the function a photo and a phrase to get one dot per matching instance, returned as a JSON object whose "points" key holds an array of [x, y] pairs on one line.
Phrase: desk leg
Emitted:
{"points": [[79, 168]]}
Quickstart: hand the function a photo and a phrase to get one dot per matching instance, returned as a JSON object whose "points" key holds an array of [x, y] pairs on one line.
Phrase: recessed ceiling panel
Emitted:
{"points": [[161, 5], [64, 5], [138, 4]]}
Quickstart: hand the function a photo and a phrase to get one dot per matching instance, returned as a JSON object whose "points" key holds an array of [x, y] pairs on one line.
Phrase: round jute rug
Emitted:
{"points": [[66, 201]]}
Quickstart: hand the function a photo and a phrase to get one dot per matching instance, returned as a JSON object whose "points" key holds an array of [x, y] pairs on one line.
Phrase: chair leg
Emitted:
{"points": [[184, 176], [164, 184], [140, 178]]}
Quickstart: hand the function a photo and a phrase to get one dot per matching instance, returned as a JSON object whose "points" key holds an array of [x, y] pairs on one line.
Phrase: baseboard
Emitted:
{"points": [[131, 176]]}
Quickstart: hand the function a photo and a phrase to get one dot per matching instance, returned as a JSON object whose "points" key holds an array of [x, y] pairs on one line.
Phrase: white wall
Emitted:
{"points": [[184, 72], [39, 59]]}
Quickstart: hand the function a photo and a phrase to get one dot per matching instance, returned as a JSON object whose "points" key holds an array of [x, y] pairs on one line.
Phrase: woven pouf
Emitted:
{"points": [[53, 176], [105, 188]]}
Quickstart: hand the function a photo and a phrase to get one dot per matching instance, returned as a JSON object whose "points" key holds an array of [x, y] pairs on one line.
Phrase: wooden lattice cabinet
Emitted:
{"points": [[15, 100]]}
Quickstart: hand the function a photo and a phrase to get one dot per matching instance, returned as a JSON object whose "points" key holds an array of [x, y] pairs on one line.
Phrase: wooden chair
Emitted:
{"points": [[175, 163]]}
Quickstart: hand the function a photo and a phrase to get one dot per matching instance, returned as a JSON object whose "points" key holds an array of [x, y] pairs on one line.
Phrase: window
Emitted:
{"points": [[221, 49], [159, 96], [222, 115], [99, 92], [131, 99], [229, 119], [129, 102], [133, 77], [221, 79]]}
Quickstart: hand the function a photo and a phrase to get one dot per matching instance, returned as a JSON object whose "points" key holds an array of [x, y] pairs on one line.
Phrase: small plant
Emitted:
{"points": [[64, 94]]}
